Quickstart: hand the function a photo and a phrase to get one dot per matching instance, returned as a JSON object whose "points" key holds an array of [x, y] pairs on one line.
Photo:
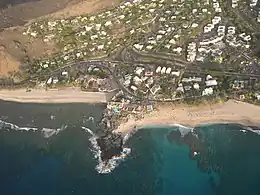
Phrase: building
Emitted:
{"points": [[253, 3], [211, 83], [207, 91], [148, 73], [137, 81], [139, 70], [176, 73], [168, 70], [158, 69], [163, 70], [196, 86], [191, 51], [134, 88], [155, 89]]}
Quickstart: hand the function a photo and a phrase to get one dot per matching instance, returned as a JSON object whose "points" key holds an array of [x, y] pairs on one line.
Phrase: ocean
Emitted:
{"points": [[219, 159]]}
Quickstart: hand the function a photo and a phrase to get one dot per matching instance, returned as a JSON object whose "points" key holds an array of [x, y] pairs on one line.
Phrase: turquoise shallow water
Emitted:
{"points": [[30, 164]]}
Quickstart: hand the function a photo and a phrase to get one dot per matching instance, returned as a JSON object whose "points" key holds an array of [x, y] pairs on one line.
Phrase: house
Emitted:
{"points": [[163, 70], [187, 88], [234, 3], [134, 88], [64, 73], [242, 97], [55, 80], [175, 73], [211, 83], [149, 81], [149, 47], [196, 86], [207, 91], [168, 71], [178, 50], [253, 3], [127, 82], [138, 46], [194, 25], [231, 30], [45, 66], [191, 52], [49, 81], [139, 70], [238, 84], [258, 17], [148, 73], [155, 89], [158, 69], [180, 88], [137, 81], [212, 40], [216, 20], [149, 107], [108, 23], [257, 96]]}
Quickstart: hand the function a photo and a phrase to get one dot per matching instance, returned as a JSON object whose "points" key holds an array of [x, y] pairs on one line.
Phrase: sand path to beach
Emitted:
{"points": [[170, 114], [68, 95]]}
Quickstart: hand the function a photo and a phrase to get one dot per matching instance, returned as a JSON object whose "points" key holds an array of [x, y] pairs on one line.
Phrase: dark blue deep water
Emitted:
{"points": [[229, 163]]}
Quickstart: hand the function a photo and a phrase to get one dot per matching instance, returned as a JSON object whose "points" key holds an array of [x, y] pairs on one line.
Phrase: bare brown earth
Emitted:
{"points": [[89, 6], [15, 46], [7, 64]]}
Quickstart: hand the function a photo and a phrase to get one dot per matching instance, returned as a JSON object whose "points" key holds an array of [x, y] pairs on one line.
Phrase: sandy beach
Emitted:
{"points": [[53, 96], [170, 114]]}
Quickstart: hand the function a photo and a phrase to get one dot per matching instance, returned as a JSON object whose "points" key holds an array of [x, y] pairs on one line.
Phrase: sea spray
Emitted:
{"points": [[106, 166], [46, 132]]}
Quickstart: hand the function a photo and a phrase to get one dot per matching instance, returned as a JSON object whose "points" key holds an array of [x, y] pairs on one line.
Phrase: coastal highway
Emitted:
{"points": [[54, 96]]}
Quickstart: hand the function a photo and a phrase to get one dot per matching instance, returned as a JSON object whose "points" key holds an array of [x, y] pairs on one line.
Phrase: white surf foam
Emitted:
{"points": [[184, 130], [105, 167], [47, 132]]}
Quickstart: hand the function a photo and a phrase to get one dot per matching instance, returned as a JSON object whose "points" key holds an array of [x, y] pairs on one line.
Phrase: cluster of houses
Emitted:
{"points": [[170, 34], [253, 3], [149, 82], [94, 35], [234, 3], [218, 34], [89, 80]]}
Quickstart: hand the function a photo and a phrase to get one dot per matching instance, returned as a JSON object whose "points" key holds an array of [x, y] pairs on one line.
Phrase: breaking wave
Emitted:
{"points": [[104, 167], [183, 129], [46, 132]]}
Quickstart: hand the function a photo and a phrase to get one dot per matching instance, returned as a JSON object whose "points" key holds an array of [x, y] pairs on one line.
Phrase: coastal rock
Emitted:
{"points": [[110, 145]]}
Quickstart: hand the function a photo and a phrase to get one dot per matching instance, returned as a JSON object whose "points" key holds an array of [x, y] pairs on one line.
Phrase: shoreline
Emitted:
{"points": [[169, 114], [67, 95]]}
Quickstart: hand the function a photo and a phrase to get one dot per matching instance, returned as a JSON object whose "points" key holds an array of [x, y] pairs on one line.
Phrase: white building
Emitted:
{"points": [[64, 73], [176, 73], [168, 71], [196, 86], [211, 83], [49, 81], [134, 88], [234, 3], [180, 88], [139, 70], [253, 3], [207, 91], [158, 69], [163, 70], [137, 81], [191, 51]]}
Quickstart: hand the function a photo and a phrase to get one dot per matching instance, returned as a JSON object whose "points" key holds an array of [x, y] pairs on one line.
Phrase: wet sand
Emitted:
{"points": [[169, 114]]}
